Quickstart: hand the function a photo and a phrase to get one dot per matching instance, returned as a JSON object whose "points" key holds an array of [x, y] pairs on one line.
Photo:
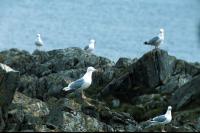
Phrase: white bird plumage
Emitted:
{"points": [[162, 119], [38, 42], [81, 83], [156, 41], [91, 46]]}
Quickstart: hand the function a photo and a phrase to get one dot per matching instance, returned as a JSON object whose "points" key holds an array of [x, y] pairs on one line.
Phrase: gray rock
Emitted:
{"points": [[153, 69], [66, 116], [187, 93], [174, 83], [8, 84], [27, 113], [124, 62], [19, 60]]}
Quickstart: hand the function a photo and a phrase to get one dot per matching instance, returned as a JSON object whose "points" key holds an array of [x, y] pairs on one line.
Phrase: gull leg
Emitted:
{"points": [[85, 98], [82, 95], [162, 129]]}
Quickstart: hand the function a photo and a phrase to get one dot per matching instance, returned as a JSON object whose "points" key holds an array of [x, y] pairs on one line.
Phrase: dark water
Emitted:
{"points": [[119, 26]]}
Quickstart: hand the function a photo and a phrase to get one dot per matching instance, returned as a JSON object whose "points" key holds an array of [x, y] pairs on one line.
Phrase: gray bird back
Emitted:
{"points": [[160, 118], [77, 84], [154, 40]]}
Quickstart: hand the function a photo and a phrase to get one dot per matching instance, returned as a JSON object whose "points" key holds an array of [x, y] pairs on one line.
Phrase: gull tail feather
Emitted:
{"points": [[66, 88]]}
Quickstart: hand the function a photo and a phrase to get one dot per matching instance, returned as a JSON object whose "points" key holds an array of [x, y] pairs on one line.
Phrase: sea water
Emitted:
{"points": [[119, 26]]}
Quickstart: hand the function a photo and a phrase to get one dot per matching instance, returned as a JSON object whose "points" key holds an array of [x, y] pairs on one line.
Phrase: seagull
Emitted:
{"points": [[38, 41], [156, 41], [90, 48], [162, 119], [82, 83]]}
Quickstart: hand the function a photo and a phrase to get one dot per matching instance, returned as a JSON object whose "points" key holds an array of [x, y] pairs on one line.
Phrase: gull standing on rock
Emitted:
{"points": [[82, 83], [156, 41], [162, 119], [90, 48], [38, 42]]}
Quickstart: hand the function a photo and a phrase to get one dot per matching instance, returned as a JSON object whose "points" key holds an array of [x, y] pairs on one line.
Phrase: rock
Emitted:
{"points": [[73, 58], [27, 113], [70, 119], [44, 73], [124, 62], [174, 83], [8, 83], [19, 60], [119, 121], [151, 70], [131, 91], [186, 94], [154, 68]]}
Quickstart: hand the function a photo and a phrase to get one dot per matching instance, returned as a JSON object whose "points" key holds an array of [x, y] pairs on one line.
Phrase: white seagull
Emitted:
{"points": [[156, 41], [82, 83], [38, 42], [90, 48], [162, 119]]}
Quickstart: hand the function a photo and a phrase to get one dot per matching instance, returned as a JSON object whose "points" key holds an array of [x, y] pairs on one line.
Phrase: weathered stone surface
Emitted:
{"points": [[131, 91], [124, 62], [8, 84], [19, 60], [27, 113], [187, 93], [150, 71], [154, 68]]}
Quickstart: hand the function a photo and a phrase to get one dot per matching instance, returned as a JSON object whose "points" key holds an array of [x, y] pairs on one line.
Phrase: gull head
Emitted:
{"points": [[161, 30], [169, 108], [92, 41], [91, 69], [38, 35]]}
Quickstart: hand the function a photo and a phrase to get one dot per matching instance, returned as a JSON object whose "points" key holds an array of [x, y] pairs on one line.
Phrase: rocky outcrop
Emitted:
{"points": [[123, 96], [153, 82], [8, 84], [44, 73], [148, 72], [186, 94], [63, 115]]}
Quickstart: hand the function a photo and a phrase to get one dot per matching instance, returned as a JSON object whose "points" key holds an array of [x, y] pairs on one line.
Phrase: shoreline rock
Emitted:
{"points": [[8, 84], [125, 94]]}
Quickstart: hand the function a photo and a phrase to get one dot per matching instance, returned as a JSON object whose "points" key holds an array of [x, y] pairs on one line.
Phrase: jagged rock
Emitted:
{"points": [[19, 60], [27, 113], [71, 119], [73, 58], [139, 87], [174, 83], [8, 84], [187, 93], [151, 70], [154, 72], [44, 73], [124, 62], [154, 68]]}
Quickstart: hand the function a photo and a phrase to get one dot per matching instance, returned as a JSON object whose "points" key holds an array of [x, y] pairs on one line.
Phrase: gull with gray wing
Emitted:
{"points": [[38, 42], [82, 83], [156, 41], [162, 119], [91, 46]]}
